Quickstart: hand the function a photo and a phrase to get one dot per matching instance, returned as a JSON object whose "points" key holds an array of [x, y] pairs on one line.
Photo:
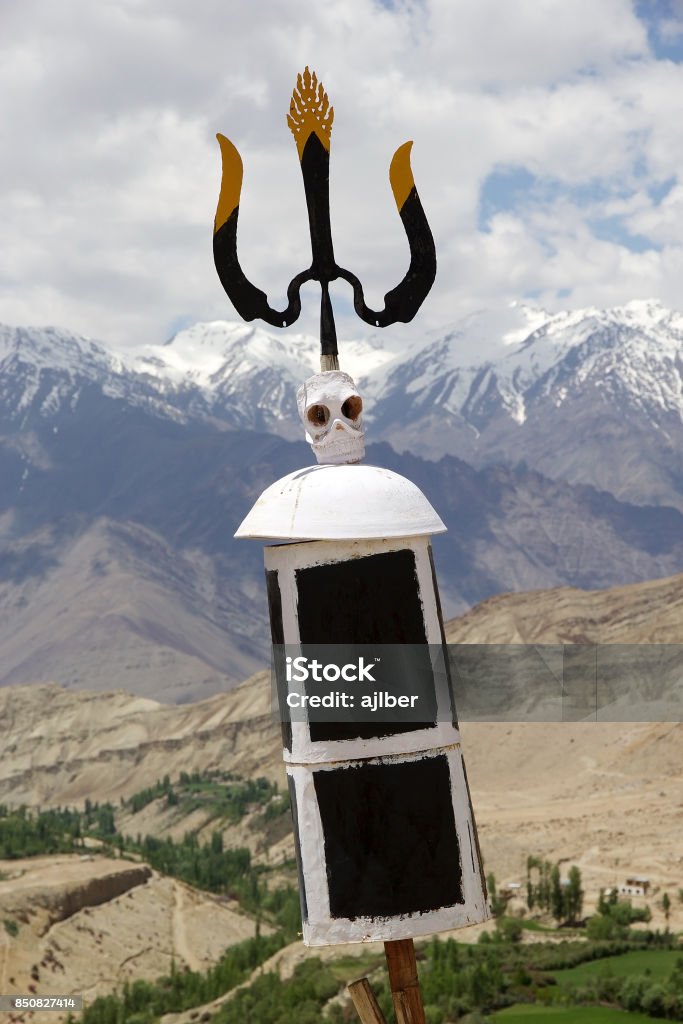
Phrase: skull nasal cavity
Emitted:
{"points": [[352, 407], [318, 414]]}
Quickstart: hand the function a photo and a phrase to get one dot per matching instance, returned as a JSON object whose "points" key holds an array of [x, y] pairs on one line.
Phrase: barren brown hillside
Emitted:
{"points": [[86, 924], [62, 746], [640, 613], [606, 796]]}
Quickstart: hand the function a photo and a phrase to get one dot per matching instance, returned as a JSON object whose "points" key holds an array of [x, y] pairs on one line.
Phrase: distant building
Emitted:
{"points": [[512, 888], [635, 885]]}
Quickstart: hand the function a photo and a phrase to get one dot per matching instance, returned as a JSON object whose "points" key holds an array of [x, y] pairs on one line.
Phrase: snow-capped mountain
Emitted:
{"points": [[123, 476], [591, 396], [47, 370], [244, 375], [482, 365], [634, 350]]}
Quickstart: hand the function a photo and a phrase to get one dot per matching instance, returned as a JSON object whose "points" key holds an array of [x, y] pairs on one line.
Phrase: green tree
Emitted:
{"points": [[603, 926], [666, 906], [614, 919], [557, 901], [509, 929], [573, 895], [496, 901], [106, 825]]}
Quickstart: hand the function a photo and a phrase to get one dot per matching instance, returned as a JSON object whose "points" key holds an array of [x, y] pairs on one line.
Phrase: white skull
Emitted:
{"points": [[331, 411]]}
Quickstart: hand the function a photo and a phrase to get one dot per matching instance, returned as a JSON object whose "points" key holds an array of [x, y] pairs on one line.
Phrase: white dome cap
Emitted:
{"points": [[340, 503]]}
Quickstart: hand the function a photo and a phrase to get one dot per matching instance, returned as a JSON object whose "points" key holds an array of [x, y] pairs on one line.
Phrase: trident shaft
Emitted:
{"points": [[310, 120]]}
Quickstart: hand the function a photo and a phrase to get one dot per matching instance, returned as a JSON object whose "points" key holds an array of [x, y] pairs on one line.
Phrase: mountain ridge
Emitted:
{"points": [[591, 396], [122, 487], [118, 565]]}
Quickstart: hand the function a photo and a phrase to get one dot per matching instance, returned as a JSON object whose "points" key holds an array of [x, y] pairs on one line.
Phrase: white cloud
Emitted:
{"points": [[503, 45], [110, 175]]}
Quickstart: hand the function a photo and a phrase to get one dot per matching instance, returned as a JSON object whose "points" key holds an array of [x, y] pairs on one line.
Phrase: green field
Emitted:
{"points": [[658, 963], [535, 926], [520, 1014]]}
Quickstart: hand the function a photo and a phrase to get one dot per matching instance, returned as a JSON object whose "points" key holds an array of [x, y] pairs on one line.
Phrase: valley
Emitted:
{"points": [[607, 797], [147, 772]]}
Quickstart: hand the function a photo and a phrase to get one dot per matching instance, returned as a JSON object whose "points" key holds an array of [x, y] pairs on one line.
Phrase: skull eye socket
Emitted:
{"points": [[318, 415], [352, 407]]}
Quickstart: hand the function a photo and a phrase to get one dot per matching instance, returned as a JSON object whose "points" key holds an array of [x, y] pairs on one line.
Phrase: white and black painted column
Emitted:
{"points": [[385, 836]]}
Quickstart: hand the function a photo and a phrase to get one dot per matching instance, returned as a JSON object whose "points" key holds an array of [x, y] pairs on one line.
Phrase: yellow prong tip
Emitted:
{"points": [[401, 175], [231, 182]]}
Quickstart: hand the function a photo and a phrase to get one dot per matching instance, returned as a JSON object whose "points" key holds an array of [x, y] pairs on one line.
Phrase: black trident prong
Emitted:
{"points": [[310, 120]]}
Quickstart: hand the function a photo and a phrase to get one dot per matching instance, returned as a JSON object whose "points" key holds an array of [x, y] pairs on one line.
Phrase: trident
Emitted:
{"points": [[310, 120]]}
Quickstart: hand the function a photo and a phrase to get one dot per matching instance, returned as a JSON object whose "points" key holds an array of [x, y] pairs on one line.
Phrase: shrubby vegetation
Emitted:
{"points": [[458, 982], [497, 902], [458, 979], [162, 787], [277, 807], [25, 833], [222, 794], [268, 1000], [143, 1002], [228, 871], [614, 918]]}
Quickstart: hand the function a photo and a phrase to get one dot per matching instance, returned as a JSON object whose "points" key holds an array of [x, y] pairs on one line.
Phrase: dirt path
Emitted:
{"points": [[181, 944], [283, 963]]}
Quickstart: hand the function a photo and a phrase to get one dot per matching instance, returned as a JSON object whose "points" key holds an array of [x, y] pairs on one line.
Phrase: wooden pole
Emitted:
{"points": [[405, 984], [365, 1002]]}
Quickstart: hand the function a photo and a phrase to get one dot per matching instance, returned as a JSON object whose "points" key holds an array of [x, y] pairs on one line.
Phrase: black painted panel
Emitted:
{"points": [[369, 600], [391, 845]]}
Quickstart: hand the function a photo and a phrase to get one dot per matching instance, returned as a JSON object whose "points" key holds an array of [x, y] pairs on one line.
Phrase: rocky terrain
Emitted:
{"points": [[541, 785], [645, 613], [86, 924], [628, 665], [546, 786], [62, 747], [605, 795], [608, 797]]}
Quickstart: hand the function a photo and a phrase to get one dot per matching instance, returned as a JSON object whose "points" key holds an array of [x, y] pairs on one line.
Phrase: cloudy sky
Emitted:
{"points": [[548, 153]]}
